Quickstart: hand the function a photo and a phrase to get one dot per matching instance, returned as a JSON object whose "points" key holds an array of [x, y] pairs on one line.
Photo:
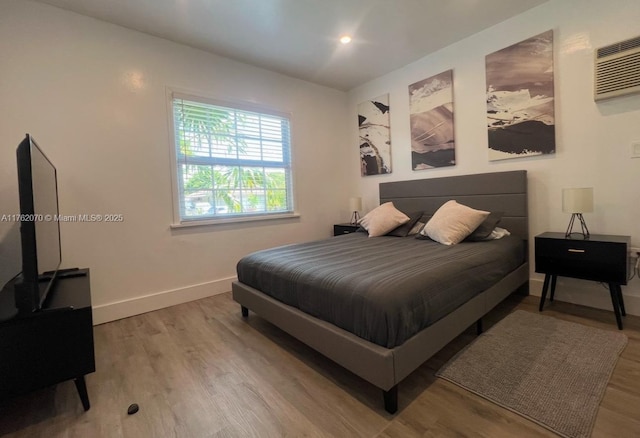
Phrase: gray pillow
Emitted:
{"points": [[403, 230], [486, 227]]}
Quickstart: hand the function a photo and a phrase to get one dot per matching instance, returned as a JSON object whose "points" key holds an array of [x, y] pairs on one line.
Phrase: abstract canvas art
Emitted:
{"points": [[431, 118], [520, 99], [375, 136]]}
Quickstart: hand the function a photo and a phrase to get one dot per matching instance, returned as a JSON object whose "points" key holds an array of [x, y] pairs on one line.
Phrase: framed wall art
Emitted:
{"points": [[520, 99], [375, 136], [431, 119]]}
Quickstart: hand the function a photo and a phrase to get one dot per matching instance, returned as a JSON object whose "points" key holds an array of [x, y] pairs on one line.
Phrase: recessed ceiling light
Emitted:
{"points": [[345, 39]]}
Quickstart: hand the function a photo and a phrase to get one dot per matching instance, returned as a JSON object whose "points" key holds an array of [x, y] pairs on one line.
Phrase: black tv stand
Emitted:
{"points": [[52, 345], [62, 273], [8, 308], [71, 272]]}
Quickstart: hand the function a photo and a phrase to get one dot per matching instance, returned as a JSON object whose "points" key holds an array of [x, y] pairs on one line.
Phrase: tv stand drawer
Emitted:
{"points": [[52, 345]]}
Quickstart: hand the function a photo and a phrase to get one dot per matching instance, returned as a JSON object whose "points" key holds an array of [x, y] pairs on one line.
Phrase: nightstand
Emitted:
{"points": [[340, 229], [600, 258]]}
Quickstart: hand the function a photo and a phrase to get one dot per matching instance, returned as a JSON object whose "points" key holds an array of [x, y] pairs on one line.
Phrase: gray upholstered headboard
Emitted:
{"points": [[497, 191]]}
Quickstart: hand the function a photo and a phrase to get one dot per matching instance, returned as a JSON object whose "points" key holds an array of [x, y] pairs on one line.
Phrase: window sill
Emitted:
{"points": [[233, 220]]}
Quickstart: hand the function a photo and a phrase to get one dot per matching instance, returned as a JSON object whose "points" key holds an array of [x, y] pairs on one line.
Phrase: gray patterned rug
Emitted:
{"points": [[550, 371]]}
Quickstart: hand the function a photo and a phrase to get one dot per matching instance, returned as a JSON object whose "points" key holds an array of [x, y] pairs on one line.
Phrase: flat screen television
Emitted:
{"points": [[39, 226]]}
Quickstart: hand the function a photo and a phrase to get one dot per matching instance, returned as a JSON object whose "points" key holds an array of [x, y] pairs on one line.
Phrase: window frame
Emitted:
{"points": [[178, 220]]}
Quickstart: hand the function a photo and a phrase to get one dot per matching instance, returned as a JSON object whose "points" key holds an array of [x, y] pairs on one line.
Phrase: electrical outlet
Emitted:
{"points": [[635, 149]]}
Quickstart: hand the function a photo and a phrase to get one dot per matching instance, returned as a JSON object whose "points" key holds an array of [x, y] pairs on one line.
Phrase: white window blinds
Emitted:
{"points": [[231, 162]]}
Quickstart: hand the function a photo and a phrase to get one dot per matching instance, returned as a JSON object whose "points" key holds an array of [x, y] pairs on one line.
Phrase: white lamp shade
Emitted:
{"points": [[577, 200], [355, 204]]}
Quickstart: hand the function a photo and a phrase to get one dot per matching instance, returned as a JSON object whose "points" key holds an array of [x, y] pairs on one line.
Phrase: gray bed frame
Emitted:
{"points": [[387, 367]]}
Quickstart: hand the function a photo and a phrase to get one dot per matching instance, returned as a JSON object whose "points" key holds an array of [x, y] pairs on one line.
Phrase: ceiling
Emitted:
{"points": [[299, 38]]}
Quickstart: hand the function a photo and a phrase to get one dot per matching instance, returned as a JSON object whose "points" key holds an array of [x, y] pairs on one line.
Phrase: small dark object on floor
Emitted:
{"points": [[133, 409]]}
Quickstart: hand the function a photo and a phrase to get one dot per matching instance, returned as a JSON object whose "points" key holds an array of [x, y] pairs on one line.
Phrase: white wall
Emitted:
{"points": [[93, 96], [593, 141]]}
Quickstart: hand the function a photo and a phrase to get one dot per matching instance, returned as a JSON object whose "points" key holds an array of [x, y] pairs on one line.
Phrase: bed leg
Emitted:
{"points": [[391, 400], [245, 311], [479, 326]]}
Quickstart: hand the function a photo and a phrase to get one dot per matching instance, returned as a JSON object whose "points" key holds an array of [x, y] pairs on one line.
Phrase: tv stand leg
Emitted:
{"points": [[81, 386]]}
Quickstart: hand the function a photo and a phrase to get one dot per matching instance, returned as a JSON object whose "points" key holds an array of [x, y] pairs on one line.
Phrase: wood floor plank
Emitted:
{"points": [[613, 424], [201, 370]]}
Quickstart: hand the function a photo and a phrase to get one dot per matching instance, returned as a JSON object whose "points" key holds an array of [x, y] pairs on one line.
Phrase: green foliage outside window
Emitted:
{"points": [[231, 162]]}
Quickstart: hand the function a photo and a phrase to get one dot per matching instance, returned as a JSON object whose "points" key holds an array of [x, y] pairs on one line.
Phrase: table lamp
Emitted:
{"points": [[576, 202], [355, 205]]}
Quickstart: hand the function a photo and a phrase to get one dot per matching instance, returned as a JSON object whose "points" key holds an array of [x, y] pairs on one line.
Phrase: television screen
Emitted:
{"points": [[45, 206], [39, 227]]}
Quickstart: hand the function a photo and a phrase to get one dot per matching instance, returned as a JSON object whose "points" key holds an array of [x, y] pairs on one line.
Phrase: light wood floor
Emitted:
{"points": [[200, 370]]}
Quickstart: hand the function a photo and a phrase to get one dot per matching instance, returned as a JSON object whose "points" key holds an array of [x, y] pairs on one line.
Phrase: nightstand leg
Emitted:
{"points": [[613, 290], [545, 286], [621, 300], [553, 287]]}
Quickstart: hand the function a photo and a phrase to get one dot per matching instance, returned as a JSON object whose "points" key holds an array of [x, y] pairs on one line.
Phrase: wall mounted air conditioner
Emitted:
{"points": [[617, 69]]}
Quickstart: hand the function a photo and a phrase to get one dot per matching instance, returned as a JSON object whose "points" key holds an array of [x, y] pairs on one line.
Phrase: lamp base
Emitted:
{"points": [[583, 225], [355, 217]]}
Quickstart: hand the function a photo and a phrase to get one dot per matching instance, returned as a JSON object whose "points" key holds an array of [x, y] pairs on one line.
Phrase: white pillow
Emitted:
{"points": [[452, 222], [383, 219], [497, 233]]}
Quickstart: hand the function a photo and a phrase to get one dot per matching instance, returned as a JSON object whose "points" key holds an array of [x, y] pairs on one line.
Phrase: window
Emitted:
{"points": [[231, 162]]}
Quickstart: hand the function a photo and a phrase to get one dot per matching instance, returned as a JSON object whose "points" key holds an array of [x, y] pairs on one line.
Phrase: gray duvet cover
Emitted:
{"points": [[383, 289]]}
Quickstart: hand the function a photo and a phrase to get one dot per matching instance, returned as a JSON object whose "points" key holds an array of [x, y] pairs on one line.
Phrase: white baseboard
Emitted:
{"points": [[586, 293], [135, 306]]}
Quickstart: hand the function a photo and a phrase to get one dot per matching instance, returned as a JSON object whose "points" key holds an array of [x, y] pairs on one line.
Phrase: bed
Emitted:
{"points": [[384, 350]]}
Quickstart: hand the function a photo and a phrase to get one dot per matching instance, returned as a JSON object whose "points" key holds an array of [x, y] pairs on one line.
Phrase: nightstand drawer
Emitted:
{"points": [[340, 229], [586, 259]]}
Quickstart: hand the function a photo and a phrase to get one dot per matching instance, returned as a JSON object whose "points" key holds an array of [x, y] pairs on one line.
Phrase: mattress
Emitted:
{"points": [[383, 289]]}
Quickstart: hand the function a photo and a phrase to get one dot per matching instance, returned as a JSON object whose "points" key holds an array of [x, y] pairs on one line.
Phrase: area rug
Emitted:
{"points": [[550, 371]]}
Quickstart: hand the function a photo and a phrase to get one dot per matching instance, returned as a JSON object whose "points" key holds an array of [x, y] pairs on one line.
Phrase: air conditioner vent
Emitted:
{"points": [[622, 46], [617, 69]]}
